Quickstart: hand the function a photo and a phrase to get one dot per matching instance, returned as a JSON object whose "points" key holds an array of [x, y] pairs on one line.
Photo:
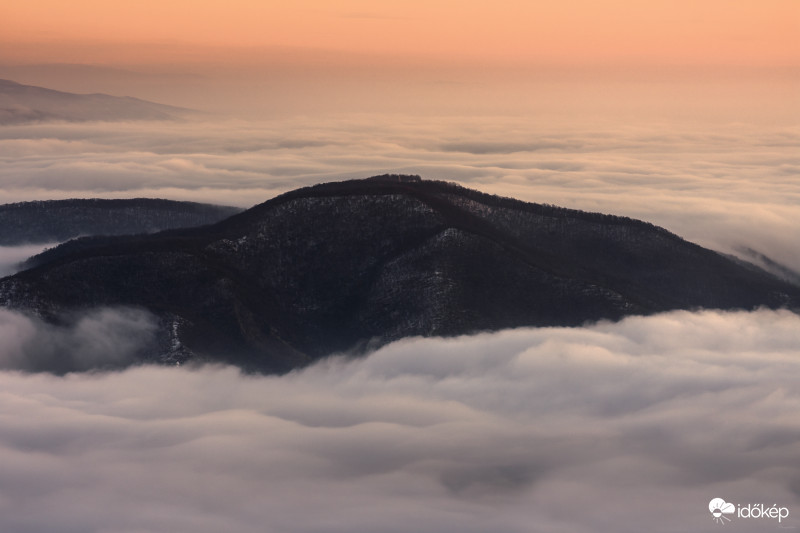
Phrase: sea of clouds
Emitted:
{"points": [[614, 427], [729, 187]]}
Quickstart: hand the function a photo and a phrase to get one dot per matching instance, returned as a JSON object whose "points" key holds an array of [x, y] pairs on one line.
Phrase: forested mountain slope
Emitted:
{"points": [[341, 266]]}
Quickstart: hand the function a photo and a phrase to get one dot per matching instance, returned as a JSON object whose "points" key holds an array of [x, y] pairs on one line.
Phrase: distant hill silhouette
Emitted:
{"points": [[61, 220], [354, 264], [27, 103]]}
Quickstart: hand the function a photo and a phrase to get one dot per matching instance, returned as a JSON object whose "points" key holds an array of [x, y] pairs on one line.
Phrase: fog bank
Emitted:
{"points": [[725, 185], [613, 428]]}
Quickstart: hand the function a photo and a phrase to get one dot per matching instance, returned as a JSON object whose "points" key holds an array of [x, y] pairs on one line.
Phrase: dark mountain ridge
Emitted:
{"points": [[60, 220], [341, 266]]}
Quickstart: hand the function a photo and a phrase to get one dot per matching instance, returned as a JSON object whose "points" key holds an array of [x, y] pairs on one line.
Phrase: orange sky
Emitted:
{"points": [[670, 32]]}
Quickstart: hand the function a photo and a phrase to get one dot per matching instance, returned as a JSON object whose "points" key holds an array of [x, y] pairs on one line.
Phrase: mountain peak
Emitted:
{"points": [[399, 178], [345, 265]]}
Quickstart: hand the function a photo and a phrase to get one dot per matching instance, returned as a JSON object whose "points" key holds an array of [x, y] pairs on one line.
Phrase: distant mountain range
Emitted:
{"points": [[26, 103], [62, 220], [351, 265]]}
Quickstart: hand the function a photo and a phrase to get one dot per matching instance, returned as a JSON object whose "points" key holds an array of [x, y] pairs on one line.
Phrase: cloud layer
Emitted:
{"points": [[616, 427], [12, 256], [104, 338], [724, 189]]}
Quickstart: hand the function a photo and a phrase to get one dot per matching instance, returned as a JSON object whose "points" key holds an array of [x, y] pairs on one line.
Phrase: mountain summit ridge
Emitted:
{"points": [[346, 265]]}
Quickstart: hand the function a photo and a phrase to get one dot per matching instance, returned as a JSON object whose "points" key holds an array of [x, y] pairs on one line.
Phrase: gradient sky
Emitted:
{"points": [[669, 32]]}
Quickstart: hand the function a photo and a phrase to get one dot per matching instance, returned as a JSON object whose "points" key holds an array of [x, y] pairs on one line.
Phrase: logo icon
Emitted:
{"points": [[719, 508]]}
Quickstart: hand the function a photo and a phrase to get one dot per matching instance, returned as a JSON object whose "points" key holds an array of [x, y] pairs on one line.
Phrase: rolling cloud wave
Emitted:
{"points": [[611, 427], [726, 191]]}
